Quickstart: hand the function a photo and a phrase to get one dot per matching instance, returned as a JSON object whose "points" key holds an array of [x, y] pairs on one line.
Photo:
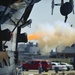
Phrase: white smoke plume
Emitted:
{"points": [[58, 34]]}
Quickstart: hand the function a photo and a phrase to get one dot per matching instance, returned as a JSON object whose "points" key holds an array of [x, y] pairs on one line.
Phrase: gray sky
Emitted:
{"points": [[41, 14]]}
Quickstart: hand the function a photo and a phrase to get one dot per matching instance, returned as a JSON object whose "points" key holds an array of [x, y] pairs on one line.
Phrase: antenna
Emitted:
{"points": [[57, 4]]}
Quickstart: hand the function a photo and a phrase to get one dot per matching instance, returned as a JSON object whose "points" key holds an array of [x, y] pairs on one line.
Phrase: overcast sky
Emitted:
{"points": [[41, 13]]}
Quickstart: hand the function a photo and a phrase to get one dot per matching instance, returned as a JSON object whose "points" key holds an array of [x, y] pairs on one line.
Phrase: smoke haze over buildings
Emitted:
{"points": [[58, 34]]}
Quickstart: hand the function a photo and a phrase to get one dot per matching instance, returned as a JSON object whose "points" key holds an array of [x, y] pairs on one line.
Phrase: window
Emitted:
{"points": [[43, 62], [53, 64], [33, 62], [28, 62]]}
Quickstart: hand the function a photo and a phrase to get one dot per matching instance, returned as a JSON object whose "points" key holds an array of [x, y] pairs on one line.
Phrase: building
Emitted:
{"points": [[30, 47]]}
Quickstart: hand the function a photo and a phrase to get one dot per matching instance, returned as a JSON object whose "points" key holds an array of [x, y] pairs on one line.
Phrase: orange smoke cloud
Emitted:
{"points": [[33, 36]]}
